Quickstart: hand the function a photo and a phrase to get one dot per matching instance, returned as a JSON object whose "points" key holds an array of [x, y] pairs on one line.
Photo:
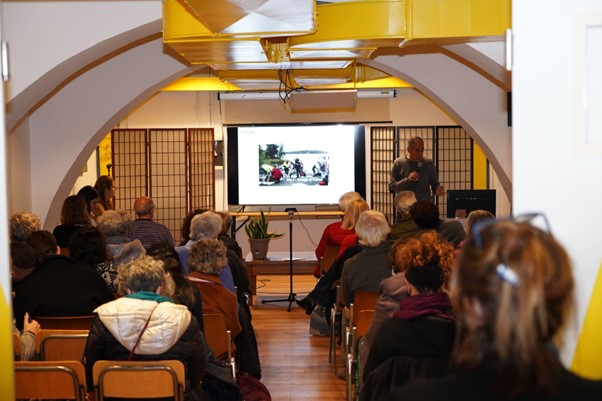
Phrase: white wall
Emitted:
{"points": [[550, 174]]}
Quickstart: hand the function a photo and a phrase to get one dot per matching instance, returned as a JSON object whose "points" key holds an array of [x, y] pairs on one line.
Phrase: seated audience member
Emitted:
{"points": [[115, 226], [512, 290], [73, 217], [426, 216], [89, 247], [59, 286], [22, 224], [206, 226], [323, 292], [184, 293], [23, 261], [206, 260], [105, 186], [27, 337], [233, 276], [146, 325], [417, 341], [149, 232], [185, 230], [229, 241], [335, 233], [91, 198], [365, 271], [404, 226]]}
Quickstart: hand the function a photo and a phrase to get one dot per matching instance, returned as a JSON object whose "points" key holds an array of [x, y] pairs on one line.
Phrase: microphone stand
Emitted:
{"points": [[291, 295]]}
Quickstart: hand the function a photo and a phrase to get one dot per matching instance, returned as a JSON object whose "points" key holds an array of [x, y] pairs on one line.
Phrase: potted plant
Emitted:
{"points": [[259, 236]]}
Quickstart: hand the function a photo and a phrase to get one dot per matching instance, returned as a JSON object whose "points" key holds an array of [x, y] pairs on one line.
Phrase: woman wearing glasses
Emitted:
{"points": [[512, 289]]}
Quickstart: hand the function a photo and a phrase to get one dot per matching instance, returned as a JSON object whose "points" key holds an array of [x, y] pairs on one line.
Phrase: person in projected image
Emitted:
{"points": [[413, 172]]}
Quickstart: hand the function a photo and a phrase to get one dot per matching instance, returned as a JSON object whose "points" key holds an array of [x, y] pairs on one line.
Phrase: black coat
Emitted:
{"points": [[59, 286], [404, 350]]}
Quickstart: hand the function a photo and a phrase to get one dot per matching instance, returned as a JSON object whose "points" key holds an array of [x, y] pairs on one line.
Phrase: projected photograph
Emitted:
{"points": [[293, 165], [288, 167]]}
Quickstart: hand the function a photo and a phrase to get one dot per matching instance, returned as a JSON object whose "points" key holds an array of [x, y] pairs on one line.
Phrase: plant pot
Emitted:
{"points": [[259, 248]]}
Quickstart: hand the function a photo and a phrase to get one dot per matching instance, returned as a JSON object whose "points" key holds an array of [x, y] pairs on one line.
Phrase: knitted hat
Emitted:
{"points": [[428, 277]]}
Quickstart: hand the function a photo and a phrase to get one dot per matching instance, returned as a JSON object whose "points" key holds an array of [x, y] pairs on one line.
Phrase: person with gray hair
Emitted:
{"points": [[404, 226], [146, 324], [205, 226], [146, 230], [364, 271], [115, 226], [22, 224]]}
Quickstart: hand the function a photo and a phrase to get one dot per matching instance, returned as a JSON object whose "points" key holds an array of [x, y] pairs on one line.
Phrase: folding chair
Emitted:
{"points": [[326, 261], [61, 345], [50, 380], [66, 322], [139, 379], [332, 352], [219, 338]]}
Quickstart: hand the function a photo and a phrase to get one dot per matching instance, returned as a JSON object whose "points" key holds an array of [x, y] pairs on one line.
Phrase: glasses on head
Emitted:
{"points": [[538, 220]]}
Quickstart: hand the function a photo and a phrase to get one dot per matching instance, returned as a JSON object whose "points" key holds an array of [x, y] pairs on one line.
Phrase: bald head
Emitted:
{"points": [[144, 207]]}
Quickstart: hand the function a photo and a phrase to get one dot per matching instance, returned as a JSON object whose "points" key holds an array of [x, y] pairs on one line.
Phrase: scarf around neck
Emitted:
{"points": [[435, 304], [149, 296]]}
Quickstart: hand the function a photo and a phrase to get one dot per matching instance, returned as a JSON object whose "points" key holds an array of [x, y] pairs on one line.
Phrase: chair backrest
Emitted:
{"points": [[66, 322], [330, 254], [16, 346], [363, 322], [139, 379], [50, 380], [61, 345], [216, 334], [364, 300]]}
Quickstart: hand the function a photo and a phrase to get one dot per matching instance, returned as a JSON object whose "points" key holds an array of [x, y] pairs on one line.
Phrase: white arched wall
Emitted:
{"points": [[473, 100], [63, 132]]}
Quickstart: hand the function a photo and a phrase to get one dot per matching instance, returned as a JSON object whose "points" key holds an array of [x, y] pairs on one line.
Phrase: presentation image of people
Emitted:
{"points": [[287, 167], [413, 172]]}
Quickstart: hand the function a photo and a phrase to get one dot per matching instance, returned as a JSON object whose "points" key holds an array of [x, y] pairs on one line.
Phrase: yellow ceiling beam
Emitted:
{"points": [[199, 84]]}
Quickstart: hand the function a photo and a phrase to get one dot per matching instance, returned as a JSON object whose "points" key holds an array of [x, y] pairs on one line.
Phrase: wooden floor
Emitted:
{"points": [[294, 363]]}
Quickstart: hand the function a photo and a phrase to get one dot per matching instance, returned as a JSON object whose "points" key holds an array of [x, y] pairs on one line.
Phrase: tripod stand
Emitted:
{"points": [[291, 295]]}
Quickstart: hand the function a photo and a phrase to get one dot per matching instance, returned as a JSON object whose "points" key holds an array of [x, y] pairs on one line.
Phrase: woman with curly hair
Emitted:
{"points": [[418, 339], [512, 290], [206, 260]]}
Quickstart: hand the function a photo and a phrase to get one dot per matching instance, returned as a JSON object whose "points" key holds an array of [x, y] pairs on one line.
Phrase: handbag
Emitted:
{"points": [[251, 388], [218, 390]]}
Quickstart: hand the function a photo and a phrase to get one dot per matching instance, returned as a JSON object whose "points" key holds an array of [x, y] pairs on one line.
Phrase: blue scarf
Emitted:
{"points": [[149, 296]]}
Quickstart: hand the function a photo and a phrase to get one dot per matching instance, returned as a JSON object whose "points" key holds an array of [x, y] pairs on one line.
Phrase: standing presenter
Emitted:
{"points": [[412, 172]]}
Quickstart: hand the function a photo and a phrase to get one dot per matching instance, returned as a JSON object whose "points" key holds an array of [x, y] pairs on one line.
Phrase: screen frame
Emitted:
{"points": [[232, 161]]}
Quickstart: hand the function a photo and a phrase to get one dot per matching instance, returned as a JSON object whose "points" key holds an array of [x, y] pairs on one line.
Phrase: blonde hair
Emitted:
{"points": [[208, 256], [354, 209], [347, 198], [372, 228], [521, 279], [22, 224]]}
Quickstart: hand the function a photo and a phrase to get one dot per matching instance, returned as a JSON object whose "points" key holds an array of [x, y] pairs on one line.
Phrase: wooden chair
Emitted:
{"points": [[16, 346], [326, 261], [363, 302], [61, 345], [219, 338], [139, 379], [66, 322], [50, 380]]}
